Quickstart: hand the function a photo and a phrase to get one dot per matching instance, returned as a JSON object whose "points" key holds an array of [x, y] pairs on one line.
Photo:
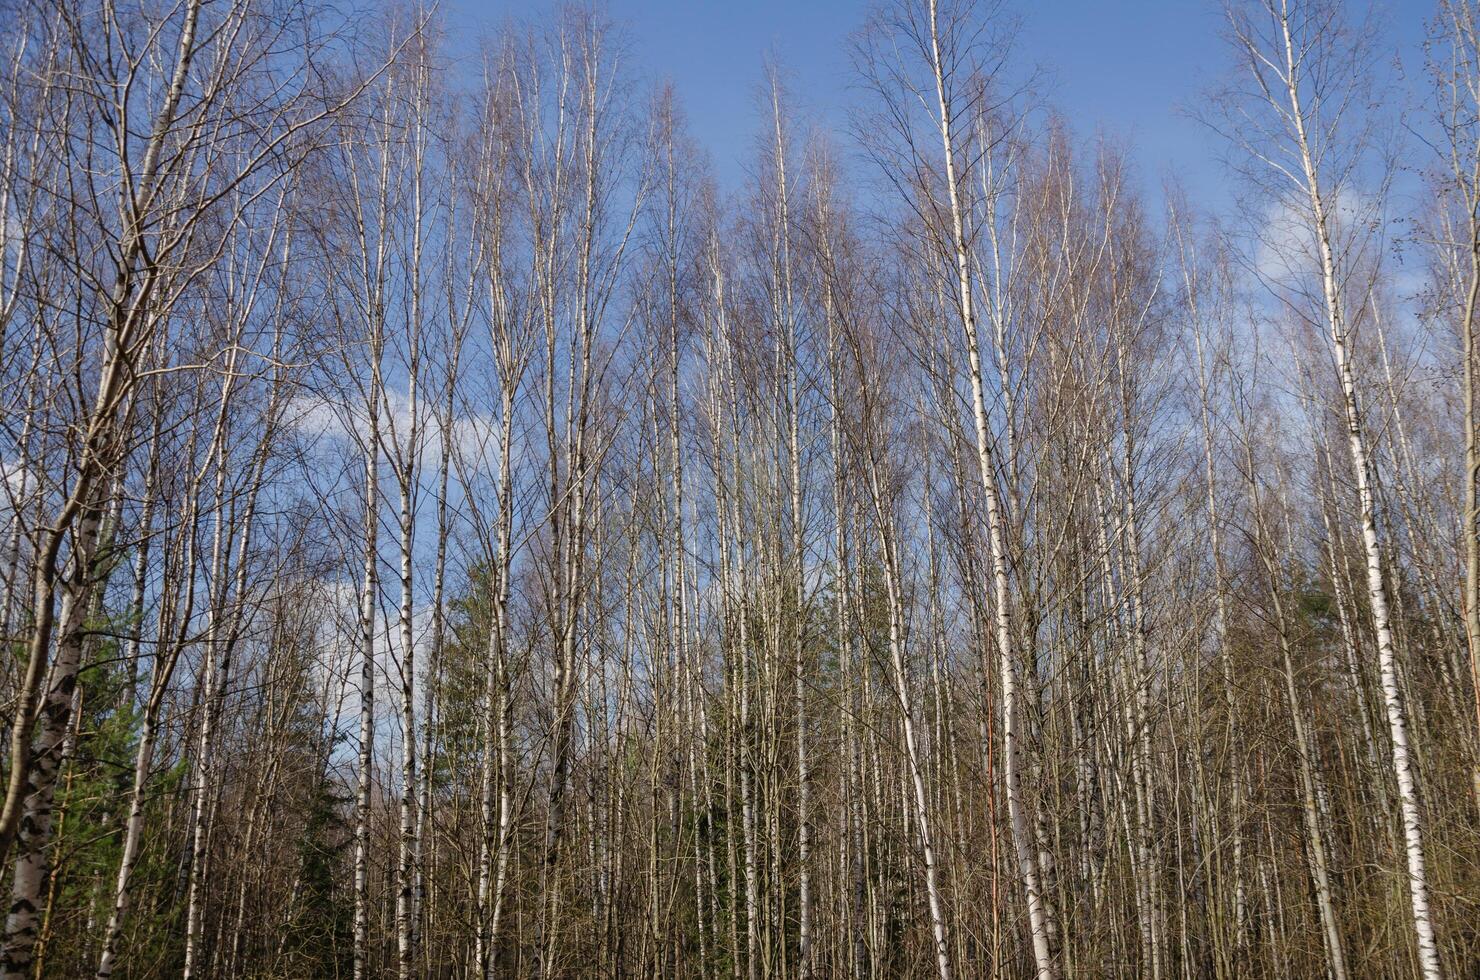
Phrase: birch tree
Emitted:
{"points": [[1301, 58]]}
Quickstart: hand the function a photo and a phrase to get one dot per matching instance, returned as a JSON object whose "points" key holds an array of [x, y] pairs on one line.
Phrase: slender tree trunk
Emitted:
{"points": [[1018, 817], [1363, 475], [369, 593]]}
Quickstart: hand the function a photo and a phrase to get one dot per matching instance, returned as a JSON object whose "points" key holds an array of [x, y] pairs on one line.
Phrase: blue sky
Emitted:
{"points": [[1121, 68]]}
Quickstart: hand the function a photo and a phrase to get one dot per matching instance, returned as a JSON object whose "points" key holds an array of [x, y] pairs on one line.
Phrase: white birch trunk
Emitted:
{"points": [[1362, 472], [997, 534], [23, 921]]}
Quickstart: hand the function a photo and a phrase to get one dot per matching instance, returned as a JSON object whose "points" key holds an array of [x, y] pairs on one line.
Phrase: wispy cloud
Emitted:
{"points": [[338, 422]]}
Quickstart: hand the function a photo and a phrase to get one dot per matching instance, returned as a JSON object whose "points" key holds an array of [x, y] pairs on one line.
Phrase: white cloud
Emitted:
{"points": [[1286, 245], [474, 436]]}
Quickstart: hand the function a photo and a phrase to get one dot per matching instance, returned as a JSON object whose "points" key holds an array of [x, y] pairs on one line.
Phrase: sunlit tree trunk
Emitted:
{"points": [[1281, 64]]}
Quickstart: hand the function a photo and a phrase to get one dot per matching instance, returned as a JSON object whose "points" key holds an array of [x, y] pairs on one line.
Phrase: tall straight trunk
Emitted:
{"points": [[498, 747], [854, 865], [434, 661], [570, 461], [497, 761], [787, 328], [369, 593], [490, 847], [408, 475], [1148, 859], [506, 342], [1363, 476], [406, 855], [1018, 818], [371, 295], [735, 592]]}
